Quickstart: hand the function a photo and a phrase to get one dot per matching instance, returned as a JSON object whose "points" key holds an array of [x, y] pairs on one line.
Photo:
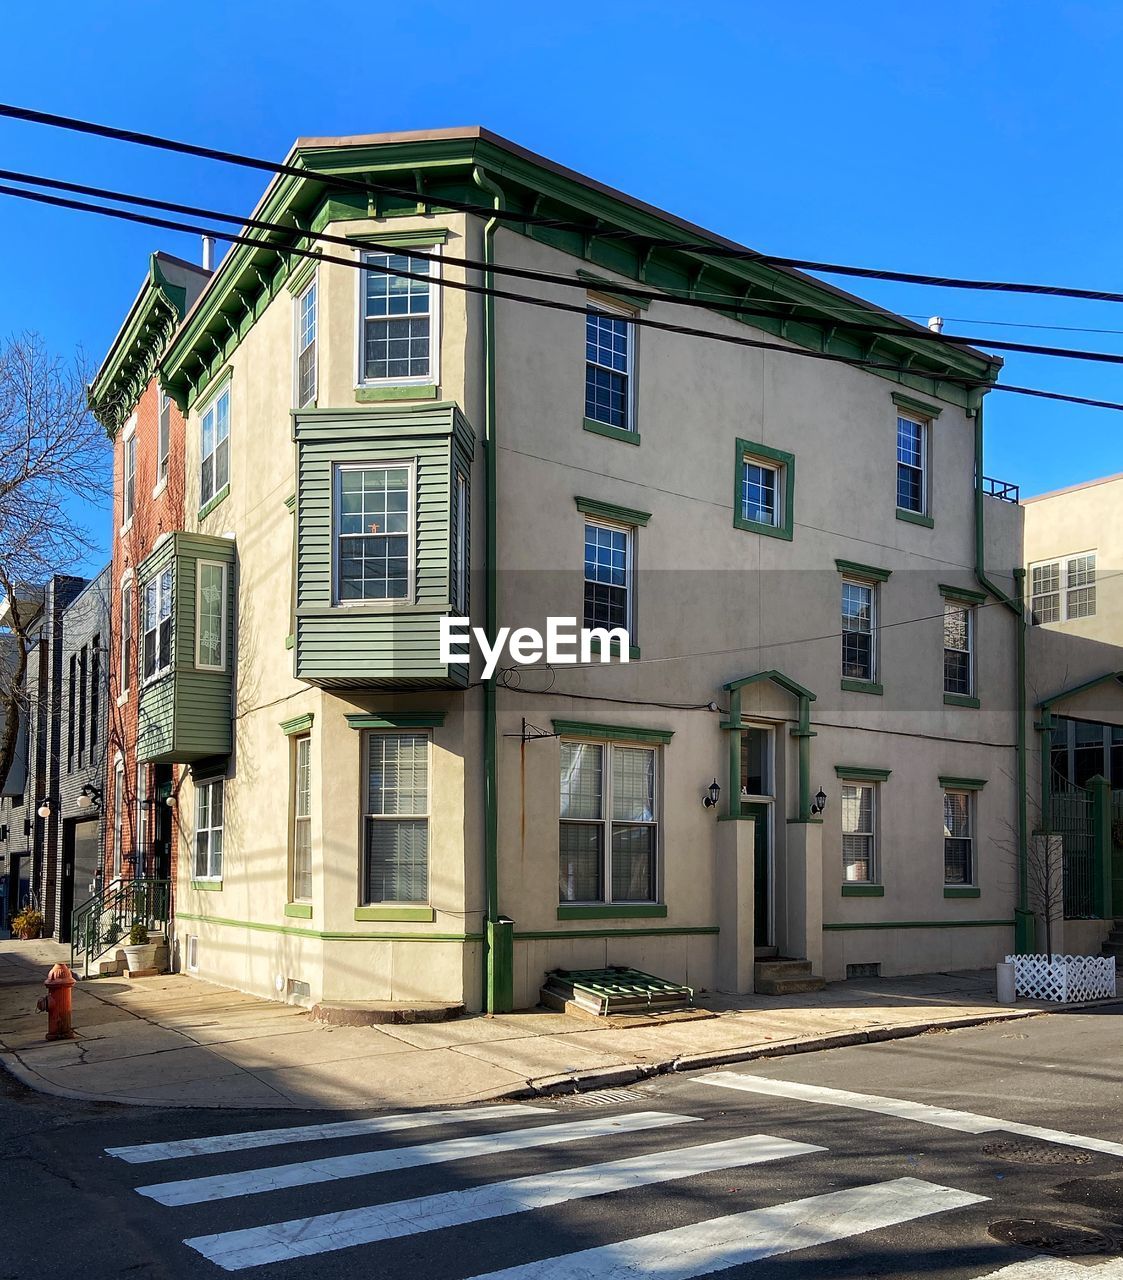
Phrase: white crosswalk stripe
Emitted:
{"points": [[151, 1152], [307, 1172], [326, 1232], [704, 1248]]}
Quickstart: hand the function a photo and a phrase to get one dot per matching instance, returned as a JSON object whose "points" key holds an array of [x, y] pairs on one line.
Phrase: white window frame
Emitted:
{"points": [[875, 609], [1063, 565], [629, 533], [128, 474], [606, 822], [972, 878], [225, 569], [925, 426], [125, 640], [874, 862], [410, 464], [300, 743], [201, 785], [366, 817], [778, 489], [616, 312], [210, 405], [312, 287], [163, 442], [158, 671], [969, 611], [433, 377]]}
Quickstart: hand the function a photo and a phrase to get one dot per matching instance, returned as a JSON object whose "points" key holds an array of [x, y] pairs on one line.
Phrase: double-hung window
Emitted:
{"points": [[859, 630], [399, 319], [128, 499], [396, 835], [210, 615], [608, 839], [373, 533], [306, 324], [764, 489], [912, 465], [958, 857], [609, 360], [608, 576], [301, 888], [859, 838], [208, 829], [214, 473], [163, 439], [158, 626], [126, 638], [959, 643], [1063, 590]]}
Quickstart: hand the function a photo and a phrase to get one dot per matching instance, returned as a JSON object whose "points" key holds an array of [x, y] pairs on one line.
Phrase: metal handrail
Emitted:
{"points": [[104, 920], [1003, 490]]}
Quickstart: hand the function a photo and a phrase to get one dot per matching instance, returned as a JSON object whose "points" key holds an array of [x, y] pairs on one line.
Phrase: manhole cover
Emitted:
{"points": [[1066, 1239], [1035, 1153], [601, 1098]]}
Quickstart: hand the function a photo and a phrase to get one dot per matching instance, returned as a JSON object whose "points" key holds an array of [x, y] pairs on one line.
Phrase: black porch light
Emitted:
{"points": [[820, 802], [713, 794]]}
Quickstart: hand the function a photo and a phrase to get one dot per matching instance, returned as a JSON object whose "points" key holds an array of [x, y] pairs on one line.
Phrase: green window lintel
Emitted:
{"points": [[950, 783], [397, 720], [610, 511], [861, 773], [962, 595], [919, 407], [869, 571], [298, 724], [402, 239], [619, 732], [613, 289]]}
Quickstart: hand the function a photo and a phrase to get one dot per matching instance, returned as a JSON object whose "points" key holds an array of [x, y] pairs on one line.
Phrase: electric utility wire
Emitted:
{"points": [[708, 302], [547, 303], [75, 124]]}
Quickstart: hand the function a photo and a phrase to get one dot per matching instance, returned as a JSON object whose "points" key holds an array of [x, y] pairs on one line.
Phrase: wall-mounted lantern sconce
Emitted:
{"points": [[713, 794], [170, 801], [89, 796], [45, 809], [819, 803]]}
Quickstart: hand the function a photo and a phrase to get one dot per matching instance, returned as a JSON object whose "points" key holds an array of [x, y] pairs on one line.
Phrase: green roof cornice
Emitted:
{"points": [[801, 310]]}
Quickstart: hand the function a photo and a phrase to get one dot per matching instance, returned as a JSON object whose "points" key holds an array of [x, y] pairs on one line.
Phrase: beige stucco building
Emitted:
{"points": [[779, 508]]}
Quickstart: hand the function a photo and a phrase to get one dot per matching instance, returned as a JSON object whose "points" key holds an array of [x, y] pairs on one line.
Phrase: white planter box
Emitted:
{"points": [[139, 958], [1065, 978]]}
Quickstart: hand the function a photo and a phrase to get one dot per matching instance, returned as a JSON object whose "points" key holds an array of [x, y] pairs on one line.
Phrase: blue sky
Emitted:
{"points": [[972, 138]]}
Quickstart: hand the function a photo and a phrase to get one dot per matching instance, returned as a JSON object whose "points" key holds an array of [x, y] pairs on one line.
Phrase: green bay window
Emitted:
{"points": [[396, 818]]}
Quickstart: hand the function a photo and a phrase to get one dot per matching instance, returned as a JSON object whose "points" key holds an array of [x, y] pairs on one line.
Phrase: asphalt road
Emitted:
{"points": [[758, 1173]]}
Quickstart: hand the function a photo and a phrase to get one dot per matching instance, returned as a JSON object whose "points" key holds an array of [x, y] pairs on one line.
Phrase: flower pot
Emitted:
{"points": [[142, 957]]}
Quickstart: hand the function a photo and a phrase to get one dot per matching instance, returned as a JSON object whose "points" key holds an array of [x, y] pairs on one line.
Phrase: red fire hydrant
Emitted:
{"points": [[56, 1003]]}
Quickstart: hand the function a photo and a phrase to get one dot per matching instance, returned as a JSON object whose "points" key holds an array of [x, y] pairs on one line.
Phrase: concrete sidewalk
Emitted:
{"points": [[178, 1041]]}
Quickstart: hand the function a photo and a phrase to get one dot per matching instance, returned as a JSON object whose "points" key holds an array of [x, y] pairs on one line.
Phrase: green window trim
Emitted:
{"points": [[217, 500], [554, 935], [370, 395], [612, 732], [612, 911], [962, 891], [861, 773], [402, 239], [207, 886], [961, 595], [919, 924], [610, 433], [290, 502], [299, 910], [853, 569], [915, 517], [950, 783], [929, 411], [860, 889], [861, 686], [962, 700], [610, 511], [290, 640], [397, 720], [298, 724], [748, 450], [604, 286], [418, 915], [301, 276]]}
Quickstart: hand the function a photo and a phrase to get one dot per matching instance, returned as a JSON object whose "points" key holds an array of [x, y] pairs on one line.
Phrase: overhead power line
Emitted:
{"points": [[547, 303], [710, 302], [526, 217]]}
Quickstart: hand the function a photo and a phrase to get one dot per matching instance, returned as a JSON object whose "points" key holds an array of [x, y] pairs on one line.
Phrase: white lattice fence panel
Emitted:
{"points": [[1064, 978]]}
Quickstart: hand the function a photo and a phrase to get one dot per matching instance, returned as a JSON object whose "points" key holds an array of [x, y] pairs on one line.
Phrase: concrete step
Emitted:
{"points": [[789, 986], [781, 967], [373, 1013]]}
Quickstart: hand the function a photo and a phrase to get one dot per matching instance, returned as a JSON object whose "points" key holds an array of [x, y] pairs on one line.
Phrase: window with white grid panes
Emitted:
{"points": [[208, 829], [912, 464], [399, 319], [396, 821], [958, 861], [608, 837], [374, 521], [214, 430], [609, 346], [1064, 589], [306, 324], [959, 625], [760, 492], [859, 602], [858, 834], [608, 575], [301, 888]]}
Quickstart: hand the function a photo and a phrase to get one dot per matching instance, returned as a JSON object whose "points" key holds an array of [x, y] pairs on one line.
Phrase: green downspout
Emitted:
{"points": [[498, 933], [1024, 925]]}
